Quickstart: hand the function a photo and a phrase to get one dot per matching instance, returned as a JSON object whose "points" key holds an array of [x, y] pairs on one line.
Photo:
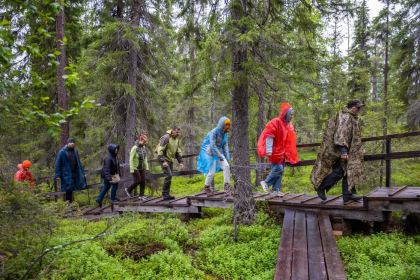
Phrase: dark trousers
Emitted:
{"points": [[105, 189], [139, 179], [168, 177], [69, 196], [334, 177]]}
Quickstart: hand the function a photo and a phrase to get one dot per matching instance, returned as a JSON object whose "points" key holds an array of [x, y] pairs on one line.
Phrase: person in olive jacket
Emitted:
{"points": [[139, 166], [111, 167], [168, 150]]}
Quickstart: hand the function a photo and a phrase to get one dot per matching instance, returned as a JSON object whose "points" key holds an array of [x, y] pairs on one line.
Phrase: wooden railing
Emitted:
{"points": [[387, 157]]}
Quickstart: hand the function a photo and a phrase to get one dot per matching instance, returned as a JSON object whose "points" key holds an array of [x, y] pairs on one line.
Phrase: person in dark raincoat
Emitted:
{"points": [[69, 170], [110, 169], [341, 154]]}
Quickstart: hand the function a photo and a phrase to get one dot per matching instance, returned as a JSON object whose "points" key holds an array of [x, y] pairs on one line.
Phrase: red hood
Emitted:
{"points": [[284, 109], [20, 167]]}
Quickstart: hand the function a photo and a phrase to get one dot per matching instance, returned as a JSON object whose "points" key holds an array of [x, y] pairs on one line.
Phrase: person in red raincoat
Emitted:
{"points": [[23, 174], [278, 142]]}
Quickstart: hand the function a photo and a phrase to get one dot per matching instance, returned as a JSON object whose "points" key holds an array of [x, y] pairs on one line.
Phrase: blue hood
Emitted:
{"points": [[221, 123], [112, 148]]}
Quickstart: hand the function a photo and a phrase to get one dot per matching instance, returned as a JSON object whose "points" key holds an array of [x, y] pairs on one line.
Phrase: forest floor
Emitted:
{"points": [[161, 246]]}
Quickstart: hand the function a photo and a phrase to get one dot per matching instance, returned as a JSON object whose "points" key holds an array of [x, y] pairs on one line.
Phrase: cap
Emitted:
{"points": [[355, 103], [26, 164], [71, 140]]}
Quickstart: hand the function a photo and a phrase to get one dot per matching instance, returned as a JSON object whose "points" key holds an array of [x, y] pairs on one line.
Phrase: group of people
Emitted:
{"points": [[340, 157]]}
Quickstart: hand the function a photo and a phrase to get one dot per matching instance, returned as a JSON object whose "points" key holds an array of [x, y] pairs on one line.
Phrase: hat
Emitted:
{"points": [[71, 140], [26, 164], [355, 103]]}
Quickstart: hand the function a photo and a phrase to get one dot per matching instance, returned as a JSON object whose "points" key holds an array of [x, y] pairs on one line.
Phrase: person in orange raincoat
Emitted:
{"points": [[23, 174], [278, 142]]}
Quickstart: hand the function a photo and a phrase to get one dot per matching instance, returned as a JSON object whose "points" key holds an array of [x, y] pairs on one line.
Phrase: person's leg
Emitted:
{"points": [[104, 190], [136, 182], [69, 196], [277, 176], [333, 178], [142, 181], [210, 175], [274, 175], [114, 192], [168, 178], [224, 165], [349, 195]]}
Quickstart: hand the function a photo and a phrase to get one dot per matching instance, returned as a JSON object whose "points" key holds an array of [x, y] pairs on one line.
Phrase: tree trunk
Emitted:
{"points": [[244, 203], [61, 90], [190, 115], [130, 121], [385, 118], [260, 128]]}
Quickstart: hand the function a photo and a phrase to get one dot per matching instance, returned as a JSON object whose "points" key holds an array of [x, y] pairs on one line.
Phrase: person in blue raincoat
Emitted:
{"points": [[69, 170], [214, 155]]}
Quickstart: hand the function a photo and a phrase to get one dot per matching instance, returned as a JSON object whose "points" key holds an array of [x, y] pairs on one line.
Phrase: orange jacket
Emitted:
{"points": [[22, 175]]}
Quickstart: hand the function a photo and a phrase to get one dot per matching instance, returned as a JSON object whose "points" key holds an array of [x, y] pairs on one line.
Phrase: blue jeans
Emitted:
{"points": [[275, 176], [105, 189], [334, 177]]}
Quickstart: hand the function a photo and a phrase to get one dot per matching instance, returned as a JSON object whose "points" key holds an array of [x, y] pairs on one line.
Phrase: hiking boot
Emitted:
{"points": [[143, 197], [99, 203], [115, 200], [228, 188], [321, 193], [207, 189], [279, 193], [265, 187], [347, 197], [167, 196], [128, 193]]}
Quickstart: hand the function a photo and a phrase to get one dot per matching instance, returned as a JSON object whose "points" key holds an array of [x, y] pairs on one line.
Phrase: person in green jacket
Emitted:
{"points": [[139, 166], [168, 150]]}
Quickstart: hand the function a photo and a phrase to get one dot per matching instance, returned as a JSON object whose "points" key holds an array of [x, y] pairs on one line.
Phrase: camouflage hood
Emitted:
{"points": [[343, 129]]}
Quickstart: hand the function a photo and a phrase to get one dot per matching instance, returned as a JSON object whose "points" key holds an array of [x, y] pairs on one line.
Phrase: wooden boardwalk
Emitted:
{"points": [[307, 248], [374, 206]]}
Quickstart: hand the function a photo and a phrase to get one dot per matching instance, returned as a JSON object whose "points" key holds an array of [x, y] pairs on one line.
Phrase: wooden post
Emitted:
{"points": [[388, 163]]}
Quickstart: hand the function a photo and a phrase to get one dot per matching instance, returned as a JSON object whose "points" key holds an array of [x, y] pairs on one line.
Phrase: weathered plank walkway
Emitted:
{"points": [[307, 248], [374, 207]]}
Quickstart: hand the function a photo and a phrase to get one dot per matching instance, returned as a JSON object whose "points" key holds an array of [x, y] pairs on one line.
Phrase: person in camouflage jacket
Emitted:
{"points": [[341, 154]]}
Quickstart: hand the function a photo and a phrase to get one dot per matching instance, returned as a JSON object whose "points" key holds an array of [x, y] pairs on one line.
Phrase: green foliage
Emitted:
{"points": [[380, 256]]}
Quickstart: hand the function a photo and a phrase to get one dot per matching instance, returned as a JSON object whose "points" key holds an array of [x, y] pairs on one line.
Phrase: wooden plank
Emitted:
{"points": [[285, 252], [316, 262], [362, 215], [157, 208], [328, 200], [309, 199], [294, 197], [300, 248], [398, 191], [334, 266]]}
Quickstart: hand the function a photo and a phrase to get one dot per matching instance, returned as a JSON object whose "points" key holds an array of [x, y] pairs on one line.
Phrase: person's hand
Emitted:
{"points": [[165, 164], [181, 166], [110, 181], [344, 156], [269, 154]]}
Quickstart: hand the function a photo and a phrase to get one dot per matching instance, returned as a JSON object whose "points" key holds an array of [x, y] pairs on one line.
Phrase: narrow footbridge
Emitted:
{"points": [[374, 207]]}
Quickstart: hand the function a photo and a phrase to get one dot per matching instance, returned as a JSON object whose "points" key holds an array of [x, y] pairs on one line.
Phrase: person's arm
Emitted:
{"points": [[146, 164], [269, 145], [213, 147], [58, 165], [106, 169], [30, 179], [178, 155], [133, 153], [226, 149], [342, 149], [162, 146]]}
